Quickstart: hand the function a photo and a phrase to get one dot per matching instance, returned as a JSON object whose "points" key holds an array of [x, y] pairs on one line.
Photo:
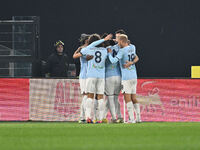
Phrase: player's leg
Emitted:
{"points": [[100, 106], [96, 112], [82, 108], [137, 107], [110, 91], [130, 107], [116, 98], [106, 109], [134, 100], [89, 103], [111, 104], [100, 86], [90, 88], [84, 98], [118, 108], [127, 97]]}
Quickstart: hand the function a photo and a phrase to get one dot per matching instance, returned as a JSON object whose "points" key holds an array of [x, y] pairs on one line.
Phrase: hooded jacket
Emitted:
{"points": [[57, 65]]}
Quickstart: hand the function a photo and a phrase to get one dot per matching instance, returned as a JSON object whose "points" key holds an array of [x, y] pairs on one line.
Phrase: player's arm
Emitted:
{"points": [[86, 54], [89, 57], [116, 58], [108, 37], [77, 53], [129, 63], [136, 59]]}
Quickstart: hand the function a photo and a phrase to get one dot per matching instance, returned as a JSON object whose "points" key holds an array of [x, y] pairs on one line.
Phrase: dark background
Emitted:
{"points": [[166, 32]]}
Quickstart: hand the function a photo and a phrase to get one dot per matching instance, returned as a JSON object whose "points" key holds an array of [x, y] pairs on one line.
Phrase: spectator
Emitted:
{"points": [[58, 62]]}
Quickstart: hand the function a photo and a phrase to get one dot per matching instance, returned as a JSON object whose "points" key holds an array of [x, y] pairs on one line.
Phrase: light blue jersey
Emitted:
{"points": [[96, 66], [113, 69], [127, 53], [83, 61]]}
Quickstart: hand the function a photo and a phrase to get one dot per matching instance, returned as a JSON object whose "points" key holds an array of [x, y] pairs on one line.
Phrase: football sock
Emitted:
{"points": [[130, 110], [82, 114], [101, 109], [117, 107], [88, 108], [96, 113], [137, 111], [112, 107]]}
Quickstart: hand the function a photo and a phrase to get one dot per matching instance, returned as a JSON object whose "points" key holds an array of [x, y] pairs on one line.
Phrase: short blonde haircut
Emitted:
{"points": [[123, 38]]}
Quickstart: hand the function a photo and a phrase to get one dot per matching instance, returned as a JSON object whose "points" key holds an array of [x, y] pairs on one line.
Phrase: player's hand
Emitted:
{"points": [[108, 37], [109, 50], [79, 49], [128, 64], [89, 57]]}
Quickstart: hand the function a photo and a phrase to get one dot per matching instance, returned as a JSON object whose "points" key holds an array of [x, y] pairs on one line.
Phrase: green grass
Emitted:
{"points": [[66, 136]]}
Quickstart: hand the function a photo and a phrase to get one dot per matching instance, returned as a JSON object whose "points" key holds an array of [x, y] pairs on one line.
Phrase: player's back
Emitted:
{"points": [[129, 53], [83, 69], [96, 66], [113, 69]]}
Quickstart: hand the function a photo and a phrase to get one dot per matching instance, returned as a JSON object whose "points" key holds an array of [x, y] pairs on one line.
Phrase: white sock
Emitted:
{"points": [[82, 114], [85, 100], [88, 108], [137, 111], [118, 107], [130, 110], [106, 110], [96, 112], [101, 109], [112, 107]]}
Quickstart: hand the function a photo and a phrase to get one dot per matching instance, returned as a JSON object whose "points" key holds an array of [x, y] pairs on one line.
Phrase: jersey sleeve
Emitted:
{"points": [[84, 52], [109, 47], [116, 58], [134, 49], [95, 43]]}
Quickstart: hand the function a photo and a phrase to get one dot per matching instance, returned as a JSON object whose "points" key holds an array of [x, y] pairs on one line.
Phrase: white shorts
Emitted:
{"points": [[94, 85], [82, 85], [113, 85], [129, 86]]}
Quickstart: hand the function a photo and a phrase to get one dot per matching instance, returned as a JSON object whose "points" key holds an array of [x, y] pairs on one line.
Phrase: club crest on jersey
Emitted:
{"points": [[112, 66]]}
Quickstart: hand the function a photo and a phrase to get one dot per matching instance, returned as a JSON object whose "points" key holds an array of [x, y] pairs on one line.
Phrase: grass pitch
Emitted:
{"points": [[67, 136]]}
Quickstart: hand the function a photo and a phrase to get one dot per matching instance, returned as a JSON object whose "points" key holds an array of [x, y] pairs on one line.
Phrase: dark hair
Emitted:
{"points": [[83, 38], [107, 43], [112, 42], [104, 35], [121, 31], [93, 38]]}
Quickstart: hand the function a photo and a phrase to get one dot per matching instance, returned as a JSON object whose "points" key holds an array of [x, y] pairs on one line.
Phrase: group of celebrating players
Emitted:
{"points": [[107, 67]]}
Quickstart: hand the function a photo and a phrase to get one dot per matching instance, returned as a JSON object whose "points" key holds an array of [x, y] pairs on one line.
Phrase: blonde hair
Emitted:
{"points": [[123, 38]]}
